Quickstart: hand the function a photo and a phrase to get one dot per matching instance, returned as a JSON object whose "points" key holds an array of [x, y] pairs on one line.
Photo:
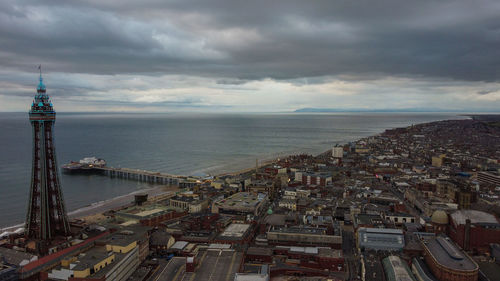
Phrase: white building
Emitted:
{"points": [[337, 152]]}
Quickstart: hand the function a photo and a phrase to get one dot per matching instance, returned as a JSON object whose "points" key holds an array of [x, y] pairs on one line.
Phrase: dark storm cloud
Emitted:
{"points": [[245, 40], [486, 92]]}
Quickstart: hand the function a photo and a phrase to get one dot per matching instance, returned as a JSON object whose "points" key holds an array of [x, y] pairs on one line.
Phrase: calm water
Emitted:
{"points": [[188, 144]]}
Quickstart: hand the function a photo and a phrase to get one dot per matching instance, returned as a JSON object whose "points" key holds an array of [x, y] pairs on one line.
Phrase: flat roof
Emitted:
{"points": [[122, 238], [446, 253], [397, 270], [146, 213], [474, 216], [251, 277], [259, 251], [235, 230], [298, 229], [179, 245], [367, 218], [242, 199], [55, 257], [91, 257], [422, 270], [16, 257], [381, 230], [215, 246], [211, 265]]}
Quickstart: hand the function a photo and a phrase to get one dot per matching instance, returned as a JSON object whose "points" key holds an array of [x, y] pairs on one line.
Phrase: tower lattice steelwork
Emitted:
{"points": [[46, 216]]}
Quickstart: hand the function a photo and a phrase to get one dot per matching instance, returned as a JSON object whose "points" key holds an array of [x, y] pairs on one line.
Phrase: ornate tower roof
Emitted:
{"points": [[41, 86], [41, 102]]}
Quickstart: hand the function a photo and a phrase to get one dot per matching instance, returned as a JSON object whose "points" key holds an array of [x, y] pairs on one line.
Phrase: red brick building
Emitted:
{"points": [[474, 230], [447, 262], [323, 258]]}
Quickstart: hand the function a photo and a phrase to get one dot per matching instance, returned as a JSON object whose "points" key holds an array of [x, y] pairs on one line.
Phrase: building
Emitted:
{"points": [[235, 233], [447, 262], [160, 241], [46, 217], [337, 152], [421, 271], [323, 258], [189, 202], [15, 258], [437, 161], [10, 261], [259, 254], [439, 221], [396, 269], [380, 239], [321, 179], [399, 218], [212, 263], [251, 277], [290, 204], [113, 257], [488, 178], [241, 203], [304, 236], [37, 268], [368, 220], [8, 273], [152, 215], [474, 230]]}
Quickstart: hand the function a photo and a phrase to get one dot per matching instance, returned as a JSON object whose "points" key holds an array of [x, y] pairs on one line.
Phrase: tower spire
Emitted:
{"points": [[41, 86]]}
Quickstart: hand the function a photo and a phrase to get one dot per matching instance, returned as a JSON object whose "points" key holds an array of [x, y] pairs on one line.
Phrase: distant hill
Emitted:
{"points": [[324, 110]]}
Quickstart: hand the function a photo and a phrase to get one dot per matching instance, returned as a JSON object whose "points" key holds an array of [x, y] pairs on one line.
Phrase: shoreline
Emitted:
{"points": [[106, 205], [120, 200]]}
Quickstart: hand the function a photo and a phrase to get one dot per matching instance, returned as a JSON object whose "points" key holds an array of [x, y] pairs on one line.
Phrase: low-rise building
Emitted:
{"points": [[151, 215], [474, 230], [113, 257], [192, 204], [396, 269], [323, 258], [380, 239], [242, 203], [300, 235], [289, 204], [306, 178], [399, 218]]}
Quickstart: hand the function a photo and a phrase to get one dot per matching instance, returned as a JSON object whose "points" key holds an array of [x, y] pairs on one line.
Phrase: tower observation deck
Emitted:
{"points": [[46, 217]]}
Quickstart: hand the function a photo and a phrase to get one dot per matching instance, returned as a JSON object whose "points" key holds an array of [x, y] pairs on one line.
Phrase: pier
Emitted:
{"points": [[148, 176]]}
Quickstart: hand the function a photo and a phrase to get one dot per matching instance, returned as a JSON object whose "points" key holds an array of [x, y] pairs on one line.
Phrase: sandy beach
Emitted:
{"points": [[97, 208]]}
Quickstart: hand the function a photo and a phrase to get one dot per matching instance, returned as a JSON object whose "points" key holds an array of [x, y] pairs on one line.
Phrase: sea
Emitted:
{"points": [[199, 144]]}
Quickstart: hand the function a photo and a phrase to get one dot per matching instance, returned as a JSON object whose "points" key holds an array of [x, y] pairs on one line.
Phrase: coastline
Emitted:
{"points": [[122, 200], [107, 205]]}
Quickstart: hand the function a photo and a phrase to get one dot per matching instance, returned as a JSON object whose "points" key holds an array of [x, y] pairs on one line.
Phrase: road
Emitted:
{"points": [[170, 270], [350, 253]]}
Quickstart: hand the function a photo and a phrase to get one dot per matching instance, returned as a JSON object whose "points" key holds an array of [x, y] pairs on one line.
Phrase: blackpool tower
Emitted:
{"points": [[46, 217]]}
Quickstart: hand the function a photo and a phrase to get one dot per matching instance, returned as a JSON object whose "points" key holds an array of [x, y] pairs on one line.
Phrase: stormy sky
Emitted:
{"points": [[251, 56]]}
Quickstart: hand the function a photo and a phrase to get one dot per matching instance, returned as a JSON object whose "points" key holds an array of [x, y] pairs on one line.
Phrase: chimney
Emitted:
{"points": [[190, 264], [467, 235]]}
